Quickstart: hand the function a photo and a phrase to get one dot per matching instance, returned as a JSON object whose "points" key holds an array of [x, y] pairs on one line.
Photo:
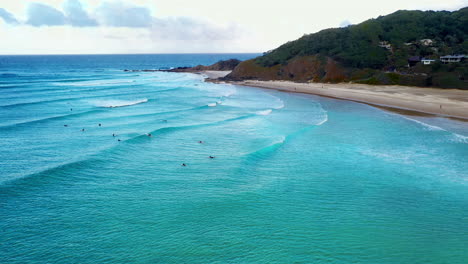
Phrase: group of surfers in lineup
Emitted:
{"points": [[149, 135]]}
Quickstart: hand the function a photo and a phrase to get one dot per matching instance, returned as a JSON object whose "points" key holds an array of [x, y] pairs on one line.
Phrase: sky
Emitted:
{"points": [[180, 26]]}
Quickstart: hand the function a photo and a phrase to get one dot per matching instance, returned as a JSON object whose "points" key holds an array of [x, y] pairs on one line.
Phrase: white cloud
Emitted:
{"points": [[8, 17], [76, 15], [121, 14], [186, 28], [44, 15]]}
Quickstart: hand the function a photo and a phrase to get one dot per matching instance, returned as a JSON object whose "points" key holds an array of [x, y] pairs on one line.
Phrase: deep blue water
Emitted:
{"points": [[295, 178]]}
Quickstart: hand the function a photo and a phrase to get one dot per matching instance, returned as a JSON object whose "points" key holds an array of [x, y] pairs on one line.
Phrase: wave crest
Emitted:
{"points": [[118, 103], [323, 121], [460, 138], [426, 126], [230, 93], [264, 112]]}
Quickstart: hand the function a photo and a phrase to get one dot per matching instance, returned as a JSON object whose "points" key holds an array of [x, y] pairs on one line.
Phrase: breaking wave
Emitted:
{"points": [[93, 83], [266, 149], [230, 93], [281, 106], [460, 138], [323, 121], [264, 112], [426, 126], [454, 136], [117, 103]]}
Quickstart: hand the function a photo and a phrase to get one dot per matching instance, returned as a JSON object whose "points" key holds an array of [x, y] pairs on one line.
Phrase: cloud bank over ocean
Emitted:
{"points": [[119, 14], [7, 17], [44, 15], [77, 16]]}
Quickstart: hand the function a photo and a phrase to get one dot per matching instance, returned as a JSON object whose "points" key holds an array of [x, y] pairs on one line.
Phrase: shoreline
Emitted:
{"points": [[452, 103]]}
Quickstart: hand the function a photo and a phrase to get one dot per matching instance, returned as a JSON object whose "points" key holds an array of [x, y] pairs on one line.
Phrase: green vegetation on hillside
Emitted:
{"points": [[358, 45]]}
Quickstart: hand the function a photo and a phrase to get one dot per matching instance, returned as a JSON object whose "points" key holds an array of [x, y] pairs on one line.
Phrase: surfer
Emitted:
{"points": [[113, 134], [184, 165], [119, 140], [99, 124], [201, 142], [65, 125], [149, 135], [82, 130], [211, 157]]}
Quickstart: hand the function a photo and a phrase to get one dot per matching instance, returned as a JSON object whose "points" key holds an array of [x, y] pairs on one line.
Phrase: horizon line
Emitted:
{"points": [[81, 54]]}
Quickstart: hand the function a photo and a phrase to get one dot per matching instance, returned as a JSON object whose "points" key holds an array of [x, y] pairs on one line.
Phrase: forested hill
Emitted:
{"points": [[364, 52]]}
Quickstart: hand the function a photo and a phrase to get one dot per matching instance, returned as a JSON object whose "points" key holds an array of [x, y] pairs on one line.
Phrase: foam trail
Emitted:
{"points": [[264, 112], [117, 103]]}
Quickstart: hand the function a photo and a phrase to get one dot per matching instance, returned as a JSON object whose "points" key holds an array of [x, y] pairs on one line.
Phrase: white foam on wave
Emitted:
{"points": [[454, 136], [264, 112], [213, 104], [230, 93], [117, 103], [426, 126], [275, 143], [460, 138], [280, 141], [323, 121], [402, 157], [280, 105], [93, 83]]}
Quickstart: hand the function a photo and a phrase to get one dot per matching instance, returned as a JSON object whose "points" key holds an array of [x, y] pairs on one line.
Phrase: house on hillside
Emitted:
{"points": [[413, 61], [385, 45], [426, 42], [426, 61], [452, 58]]}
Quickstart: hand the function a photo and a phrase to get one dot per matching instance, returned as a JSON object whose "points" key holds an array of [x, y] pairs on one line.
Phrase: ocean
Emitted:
{"points": [[91, 170]]}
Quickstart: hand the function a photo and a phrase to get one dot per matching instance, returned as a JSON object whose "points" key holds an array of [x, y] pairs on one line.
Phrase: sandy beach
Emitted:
{"points": [[443, 102]]}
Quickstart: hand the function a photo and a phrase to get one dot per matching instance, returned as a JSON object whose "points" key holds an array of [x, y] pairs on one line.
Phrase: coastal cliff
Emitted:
{"points": [[403, 48]]}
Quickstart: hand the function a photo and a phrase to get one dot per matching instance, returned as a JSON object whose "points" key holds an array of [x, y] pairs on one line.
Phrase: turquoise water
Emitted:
{"points": [[295, 178]]}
